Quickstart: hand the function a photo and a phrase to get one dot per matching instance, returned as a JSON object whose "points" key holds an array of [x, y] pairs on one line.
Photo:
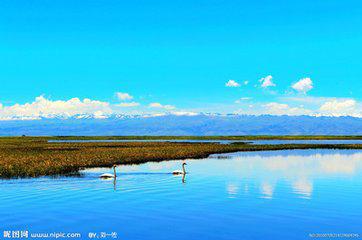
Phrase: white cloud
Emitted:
{"points": [[303, 85], [128, 104], [43, 107], [306, 99], [246, 82], [232, 83], [243, 99], [99, 115], [46, 108], [322, 106], [274, 108], [154, 115], [184, 113], [159, 105], [124, 96], [345, 107], [336, 105], [267, 81]]}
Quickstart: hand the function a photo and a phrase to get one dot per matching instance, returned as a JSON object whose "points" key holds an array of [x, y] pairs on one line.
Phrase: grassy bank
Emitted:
{"points": [[31, 157]]}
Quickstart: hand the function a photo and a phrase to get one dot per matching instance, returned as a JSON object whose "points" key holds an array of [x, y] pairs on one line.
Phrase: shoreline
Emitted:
{"points": [[29, 157], [148, 137]]}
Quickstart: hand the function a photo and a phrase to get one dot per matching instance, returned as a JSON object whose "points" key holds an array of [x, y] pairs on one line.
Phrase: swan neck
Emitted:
{"points": [[114, 170], [183, 169]]}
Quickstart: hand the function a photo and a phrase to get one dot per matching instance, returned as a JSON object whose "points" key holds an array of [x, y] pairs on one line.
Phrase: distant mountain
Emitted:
{"points": [[203, 124]]}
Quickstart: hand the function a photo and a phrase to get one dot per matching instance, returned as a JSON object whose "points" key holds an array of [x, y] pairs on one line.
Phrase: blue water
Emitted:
{"points": [[271, 142], [257, 195]]}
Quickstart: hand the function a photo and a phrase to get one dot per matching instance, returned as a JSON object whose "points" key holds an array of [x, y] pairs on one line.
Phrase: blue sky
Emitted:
{"points": [[181, 54]]}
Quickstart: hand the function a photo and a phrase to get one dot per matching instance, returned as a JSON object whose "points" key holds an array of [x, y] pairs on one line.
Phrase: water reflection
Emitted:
{"points": [[114, 184], [183, 178], [303, 188], [232, 189], [250, 195], [267, 190], [299, 172], [295, 170]]}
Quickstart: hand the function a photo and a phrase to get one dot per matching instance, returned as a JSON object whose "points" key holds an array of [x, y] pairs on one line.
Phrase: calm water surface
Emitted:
{"points": [[259, 195]]}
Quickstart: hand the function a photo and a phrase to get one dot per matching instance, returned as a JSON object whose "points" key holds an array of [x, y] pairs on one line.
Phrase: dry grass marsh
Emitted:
{"points": [[32, 157]]}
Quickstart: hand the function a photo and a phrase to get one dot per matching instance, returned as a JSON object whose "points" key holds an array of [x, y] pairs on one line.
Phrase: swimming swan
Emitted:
{"points": [[108, 175], [178, 172]]}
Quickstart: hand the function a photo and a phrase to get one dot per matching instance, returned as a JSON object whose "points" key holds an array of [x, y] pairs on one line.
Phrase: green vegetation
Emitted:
{"points": [[34, 156]]}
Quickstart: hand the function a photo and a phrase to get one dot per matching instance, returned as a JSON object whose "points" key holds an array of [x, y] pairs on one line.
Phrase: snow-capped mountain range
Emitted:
{"points": [[184, 124]]}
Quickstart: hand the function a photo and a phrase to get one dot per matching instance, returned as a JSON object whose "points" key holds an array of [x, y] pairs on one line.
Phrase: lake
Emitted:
{"points": [[249, 195]]}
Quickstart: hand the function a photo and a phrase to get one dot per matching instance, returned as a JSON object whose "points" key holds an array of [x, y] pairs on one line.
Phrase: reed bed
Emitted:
{"points": [[32, 157]]}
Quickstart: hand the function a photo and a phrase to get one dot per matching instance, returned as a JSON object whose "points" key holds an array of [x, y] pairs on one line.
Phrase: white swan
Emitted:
{"points": [[108, 175], [178, 172]]}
